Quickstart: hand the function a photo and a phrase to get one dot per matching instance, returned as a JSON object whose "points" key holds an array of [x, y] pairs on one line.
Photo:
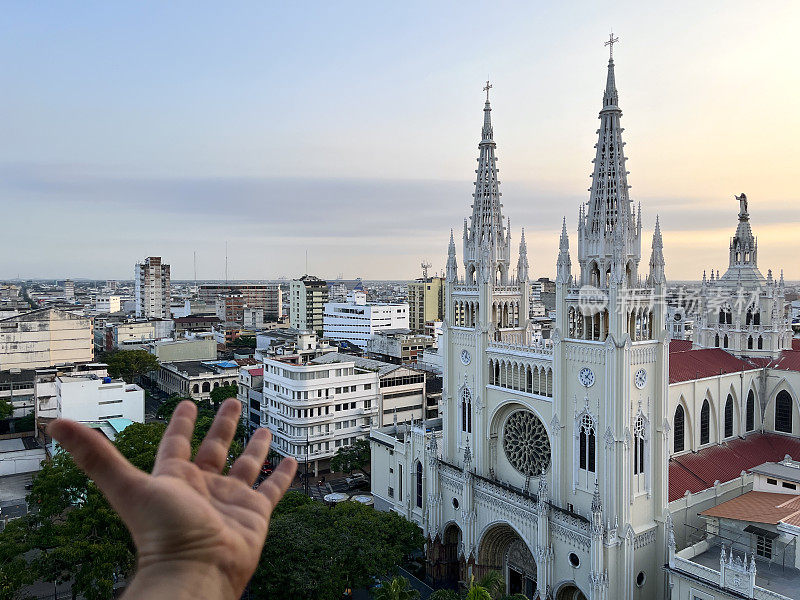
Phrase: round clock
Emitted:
{"points": [[586, 377], [465, 357], [640, 378]]}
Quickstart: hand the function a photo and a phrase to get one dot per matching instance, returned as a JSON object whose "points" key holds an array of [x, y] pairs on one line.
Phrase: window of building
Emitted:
{"points": [[679, 427], [764, 546], [729, 416], [638, 446], [466, 411], [789, 486], [772, 481], [783, 412], [705, 422], [399, 482], [419, 484], [750, 412], [587, 445]]}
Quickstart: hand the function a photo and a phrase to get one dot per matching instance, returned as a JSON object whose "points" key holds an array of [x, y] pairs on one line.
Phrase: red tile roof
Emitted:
{"points": [[758, 507], [703, 362], [680, 345], [789, 360], [795, 343], [697, 471]]}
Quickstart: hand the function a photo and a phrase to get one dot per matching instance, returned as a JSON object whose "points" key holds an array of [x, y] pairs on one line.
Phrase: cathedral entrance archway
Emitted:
{"points": [[446, 559], [503, 550], [570, 592]]}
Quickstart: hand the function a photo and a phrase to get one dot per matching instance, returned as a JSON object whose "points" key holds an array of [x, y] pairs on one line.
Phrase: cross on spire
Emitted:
{"points": [[610, 43], [486, 89]]}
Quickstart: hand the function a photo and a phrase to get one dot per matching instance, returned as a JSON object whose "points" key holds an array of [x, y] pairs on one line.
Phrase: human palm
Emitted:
{"points": [[192, 525]]}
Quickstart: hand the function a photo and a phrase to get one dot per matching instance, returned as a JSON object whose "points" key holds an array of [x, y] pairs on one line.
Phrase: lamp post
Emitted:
{"points": [[307, 445]]}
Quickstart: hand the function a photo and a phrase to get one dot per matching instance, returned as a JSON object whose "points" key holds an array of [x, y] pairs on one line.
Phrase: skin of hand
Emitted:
{"points": [[198, 533]]}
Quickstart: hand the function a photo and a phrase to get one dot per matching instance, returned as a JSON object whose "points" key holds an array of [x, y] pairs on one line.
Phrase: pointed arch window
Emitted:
{"points": [[750, 412], [725, 341], [587, 444], [418, 490], [750, 342], [466, 410], [729, 416], [716, 340], [760, 343], [705, 423], [783, 412], [679, 429], [638, 446]]}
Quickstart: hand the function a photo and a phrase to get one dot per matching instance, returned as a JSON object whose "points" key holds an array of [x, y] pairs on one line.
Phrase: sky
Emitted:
{"points": [[341, 138]]}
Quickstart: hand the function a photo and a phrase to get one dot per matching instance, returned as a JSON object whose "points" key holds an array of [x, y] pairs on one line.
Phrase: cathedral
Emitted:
{"points": [[552, 459]]}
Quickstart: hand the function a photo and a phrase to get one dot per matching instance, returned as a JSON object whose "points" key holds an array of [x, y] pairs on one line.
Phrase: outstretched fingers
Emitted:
{"points": [[275, 486], [177, 439], [248, 465], [214, 448], [100, 460]]}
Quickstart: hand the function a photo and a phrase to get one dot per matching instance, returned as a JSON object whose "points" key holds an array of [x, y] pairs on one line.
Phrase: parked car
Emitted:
{"points": [[266, 469], [356, 480]]}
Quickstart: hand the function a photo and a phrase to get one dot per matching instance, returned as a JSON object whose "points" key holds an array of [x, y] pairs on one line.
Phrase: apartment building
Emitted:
{"points": [[44, 338], [399, 346], [425, 302], [152, 288], [268, 296], [307, 298], [108, 303], [251, 395]]}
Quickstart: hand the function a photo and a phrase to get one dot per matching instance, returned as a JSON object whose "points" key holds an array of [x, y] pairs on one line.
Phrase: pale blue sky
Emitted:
{"points": [[351, 129]]}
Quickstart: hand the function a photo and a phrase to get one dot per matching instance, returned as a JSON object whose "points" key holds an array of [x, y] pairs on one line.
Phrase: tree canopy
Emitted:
{"points": [[355, 457], [130, 364], [222, 393], [6, 410], [396, 589]]}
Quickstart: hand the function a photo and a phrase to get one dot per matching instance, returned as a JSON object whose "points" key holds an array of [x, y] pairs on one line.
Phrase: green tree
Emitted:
{"points": [[130, 364], [316, 552], [396, 589], [476, 591], [443, 594], [222, 393], [354, 457], [6, 410], [74, 534], [493, 583]]}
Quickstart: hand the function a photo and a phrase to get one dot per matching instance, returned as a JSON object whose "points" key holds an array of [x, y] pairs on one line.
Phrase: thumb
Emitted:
{"points": [[99, 459]]}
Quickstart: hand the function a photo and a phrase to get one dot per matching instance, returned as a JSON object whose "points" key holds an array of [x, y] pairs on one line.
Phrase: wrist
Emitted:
{"points": [[180, 580]]}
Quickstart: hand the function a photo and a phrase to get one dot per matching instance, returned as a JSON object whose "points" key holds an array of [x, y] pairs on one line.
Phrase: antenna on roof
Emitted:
{"points": [[226, 261], [195, 268]]}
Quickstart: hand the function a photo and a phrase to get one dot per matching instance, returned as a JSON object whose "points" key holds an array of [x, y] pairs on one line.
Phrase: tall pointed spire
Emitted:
{"points": [[609, 231], [522, 262], [486, 237], [452, 264], [657, 257], [564, 264]]}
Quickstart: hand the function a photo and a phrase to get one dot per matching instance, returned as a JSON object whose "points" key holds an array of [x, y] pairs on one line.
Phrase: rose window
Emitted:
{"points": [[526, 444]]}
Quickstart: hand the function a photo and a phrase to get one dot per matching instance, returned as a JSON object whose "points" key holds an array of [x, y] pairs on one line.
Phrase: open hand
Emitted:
{"points": [[198, 533]]}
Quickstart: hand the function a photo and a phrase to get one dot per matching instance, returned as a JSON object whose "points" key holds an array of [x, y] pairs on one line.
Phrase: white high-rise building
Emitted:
{"points": [[69, 290], [307, 298], [357, 320], [151, 284]]}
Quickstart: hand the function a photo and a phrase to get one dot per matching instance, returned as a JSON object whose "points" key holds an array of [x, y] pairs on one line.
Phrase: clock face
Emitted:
{"points": [[586, 377], [465, 357], [640, 378]]}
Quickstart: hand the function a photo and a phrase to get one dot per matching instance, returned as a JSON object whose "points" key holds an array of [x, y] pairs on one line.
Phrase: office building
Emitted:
{"points": [[307, 298], [152, 289]]}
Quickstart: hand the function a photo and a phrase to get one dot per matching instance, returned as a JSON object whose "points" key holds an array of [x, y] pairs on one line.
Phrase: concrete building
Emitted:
{"points": [[357, 320], [195, 379], [251, 395], [230, 308], [108, 303], [17, 389], [93, 398], [195, 324], [136, 335], [69, 291], [201, 347], [425, 302], [287, 342], [268, 296], [399, 346], [46, 390], [152, 289], [43, 338], [307, 298]]}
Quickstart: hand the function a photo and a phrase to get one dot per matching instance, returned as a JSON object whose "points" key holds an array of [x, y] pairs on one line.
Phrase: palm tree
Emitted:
{"points": [[445, 595], [396, 589], [493, 583], [476, 591]]}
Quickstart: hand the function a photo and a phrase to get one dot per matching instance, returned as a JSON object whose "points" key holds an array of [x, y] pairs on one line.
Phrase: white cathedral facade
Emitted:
{"points": [[550, 460]]}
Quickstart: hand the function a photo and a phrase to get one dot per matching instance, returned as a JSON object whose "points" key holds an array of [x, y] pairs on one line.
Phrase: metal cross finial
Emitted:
{"points": [[611, 41], [486, 89]]}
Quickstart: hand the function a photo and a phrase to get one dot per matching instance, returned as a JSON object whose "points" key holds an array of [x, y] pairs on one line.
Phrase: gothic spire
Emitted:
{"points": [[486, 237], [522, 262], [452, 265], [657, 257], [564, 264], [743, 259]]}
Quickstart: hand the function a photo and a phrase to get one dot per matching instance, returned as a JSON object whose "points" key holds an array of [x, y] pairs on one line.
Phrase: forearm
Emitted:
{"points": [[179, 580]]}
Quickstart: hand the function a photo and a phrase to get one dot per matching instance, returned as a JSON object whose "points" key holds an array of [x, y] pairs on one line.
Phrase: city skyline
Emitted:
{"points": [[165, 144]]}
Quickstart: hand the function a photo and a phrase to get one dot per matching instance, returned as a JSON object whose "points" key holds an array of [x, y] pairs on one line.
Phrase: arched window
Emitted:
{"points": [[725, 341], [638, 446], [750, 342], [783, 412], [206, 386], [716, 340], [729, 416], [466, 411], [760, 342], [705, 422], [679, 429], [419, 484], [751, 412], [749, 317], [586, 450], [195, 389], [216, 384]]}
